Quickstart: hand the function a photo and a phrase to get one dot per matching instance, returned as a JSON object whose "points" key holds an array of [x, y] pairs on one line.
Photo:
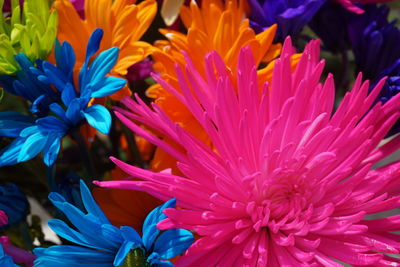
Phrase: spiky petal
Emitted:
{"points": [[287, 182]]}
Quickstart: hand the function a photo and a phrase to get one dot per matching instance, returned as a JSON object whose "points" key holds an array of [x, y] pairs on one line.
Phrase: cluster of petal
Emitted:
{"points": [[70, 105], [32, 32], [350, 4], [25, 83], [215, 26], [392, 85], [290, 16], [18, 255], [102, 244], [288, 181], [123, 24], [391, 88], [374, 40], [13, 204]]}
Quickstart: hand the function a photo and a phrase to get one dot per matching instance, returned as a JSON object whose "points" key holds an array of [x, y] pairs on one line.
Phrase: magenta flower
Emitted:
{"points": [[18, 255], [79, 6], [350, 4], [3, 218], [288, 182]]}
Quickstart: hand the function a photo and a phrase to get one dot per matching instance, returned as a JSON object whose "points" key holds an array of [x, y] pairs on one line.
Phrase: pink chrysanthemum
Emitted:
{"points": [[288, 182]]}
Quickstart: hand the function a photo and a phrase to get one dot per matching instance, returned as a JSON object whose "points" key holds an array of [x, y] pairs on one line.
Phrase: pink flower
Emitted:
{"points": [[3, 218], [18, 255], [288, 182], [79, 6], [349, 4]]}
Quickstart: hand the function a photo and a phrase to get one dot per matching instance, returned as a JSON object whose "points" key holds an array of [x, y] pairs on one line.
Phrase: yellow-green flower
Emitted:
{"points": [[32, 31]]}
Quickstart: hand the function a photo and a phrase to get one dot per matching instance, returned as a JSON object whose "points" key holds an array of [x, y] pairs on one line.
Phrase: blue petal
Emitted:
{"points": [[63, 230], [172, 243], [51, 124], [103, 63], [58, 110], [68, 94], [111, 233], [98, 117], [40, 106], [73, 113], [32, 146], [29, 131], [91, 49], [95, 233], [108, 86], [130, 234], [12, 123], [65, 58], [123, 252], [150, 231], [27, 85], [93, 44], [50, 151], [91, 205], [9, 154], [72, 256], [53, 76]]}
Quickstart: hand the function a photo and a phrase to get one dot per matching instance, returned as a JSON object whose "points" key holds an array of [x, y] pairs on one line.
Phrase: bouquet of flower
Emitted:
{"points": [[199, 133]]}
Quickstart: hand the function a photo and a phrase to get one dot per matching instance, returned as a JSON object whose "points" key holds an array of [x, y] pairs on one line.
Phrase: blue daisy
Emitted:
{"points": [[99, 243], [69, 107]]}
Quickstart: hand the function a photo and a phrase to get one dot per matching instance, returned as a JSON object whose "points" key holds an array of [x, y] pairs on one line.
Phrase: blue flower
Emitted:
{"points": [[102, 244], [375, 41], [69, 108], [14, 203], [291, 16], [6, 260], [26, 85]]}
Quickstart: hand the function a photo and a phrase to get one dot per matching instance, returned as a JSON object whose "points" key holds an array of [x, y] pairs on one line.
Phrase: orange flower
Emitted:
{"points": [[123, 24], [125, 207], [214, 26]]}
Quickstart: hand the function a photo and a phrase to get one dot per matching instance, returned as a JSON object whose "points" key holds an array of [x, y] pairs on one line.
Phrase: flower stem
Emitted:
{"points": [[85, 154]]}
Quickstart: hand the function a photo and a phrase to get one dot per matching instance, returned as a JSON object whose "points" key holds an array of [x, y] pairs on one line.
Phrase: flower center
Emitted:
{"points": [[136, 258]]}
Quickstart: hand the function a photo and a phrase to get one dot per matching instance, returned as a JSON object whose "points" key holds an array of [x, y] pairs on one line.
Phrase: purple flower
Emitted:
{"points": [[291, 16], [18, 255], [140, 71], [374, 40], [7, 5], [390, 89]]}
